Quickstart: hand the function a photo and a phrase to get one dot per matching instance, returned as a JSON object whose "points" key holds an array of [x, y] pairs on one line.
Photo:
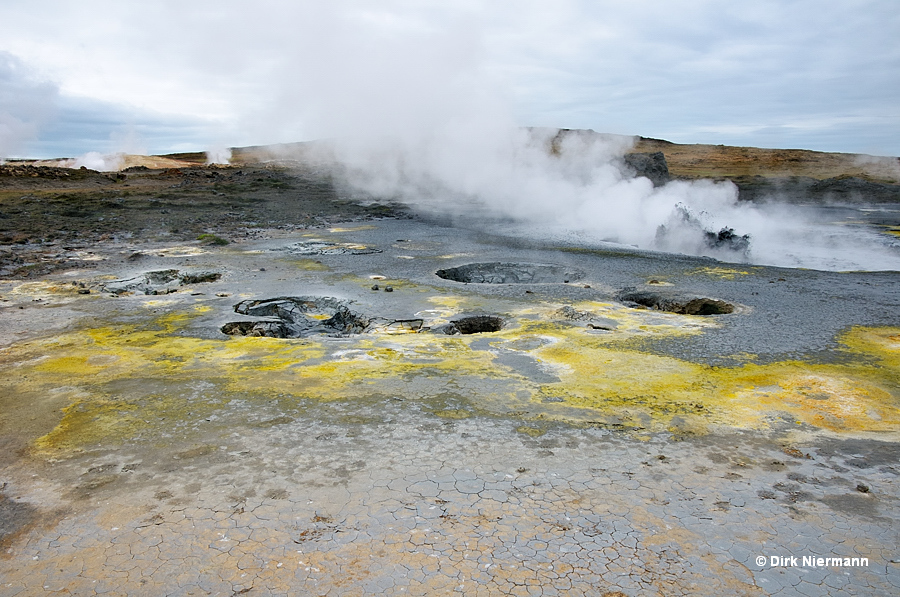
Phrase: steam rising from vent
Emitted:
{"points": [[218, 155], [97, 161], [575, 187], [563, 182], [414, 112], [685, 232], [92, 160]]}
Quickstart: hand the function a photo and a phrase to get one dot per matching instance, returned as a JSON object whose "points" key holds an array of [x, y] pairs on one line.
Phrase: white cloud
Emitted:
{"points": [[25, 104], [280, 71]]}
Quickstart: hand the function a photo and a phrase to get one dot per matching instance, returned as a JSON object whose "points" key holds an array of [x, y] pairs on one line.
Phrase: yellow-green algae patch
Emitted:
{"points": [[92, 360], [306, 264], [598, 379], [530, 431], [44, 288], [453, 413], [861, 396], [724, 273], [352, 228]]}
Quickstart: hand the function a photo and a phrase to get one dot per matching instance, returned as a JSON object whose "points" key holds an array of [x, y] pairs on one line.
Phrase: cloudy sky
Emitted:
{"points": [[180, 76]]}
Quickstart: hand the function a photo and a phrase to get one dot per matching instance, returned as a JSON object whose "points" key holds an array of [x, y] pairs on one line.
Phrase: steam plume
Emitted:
{"points": [[531, 183], [218, 155], [415, 115]]}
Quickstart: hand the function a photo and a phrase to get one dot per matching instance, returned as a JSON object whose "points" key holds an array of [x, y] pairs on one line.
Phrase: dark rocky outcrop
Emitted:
{"points": [[298, 316], [684, 226], [802, 189], [302, 316], [726, 238], [14, 170], [649, 165], [158, 282]]}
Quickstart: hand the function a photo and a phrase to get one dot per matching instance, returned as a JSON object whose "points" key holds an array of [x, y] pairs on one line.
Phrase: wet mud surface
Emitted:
{"points": [[264, 417]]}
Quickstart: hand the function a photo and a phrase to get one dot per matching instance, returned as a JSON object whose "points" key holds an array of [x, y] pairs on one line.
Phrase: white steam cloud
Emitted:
{"points": [[127, 140], [418, 108], [414, 113], [218, 155], [538, 184], [93, 160]]}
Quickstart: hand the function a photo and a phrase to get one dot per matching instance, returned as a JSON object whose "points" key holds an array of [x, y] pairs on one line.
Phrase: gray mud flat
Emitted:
{"points": [[150, 450]]}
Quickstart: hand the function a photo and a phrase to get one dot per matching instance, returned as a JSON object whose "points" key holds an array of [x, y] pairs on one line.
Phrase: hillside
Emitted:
{"points": [[725, 161]]}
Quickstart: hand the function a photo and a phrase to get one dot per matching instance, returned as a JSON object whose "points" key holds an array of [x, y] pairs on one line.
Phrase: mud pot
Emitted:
{"points": [[510, 273]]}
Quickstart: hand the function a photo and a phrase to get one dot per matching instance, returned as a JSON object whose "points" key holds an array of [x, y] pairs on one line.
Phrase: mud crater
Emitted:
{"points": [[675, 303], [470, 324], [159, 282], [302, 316], [297, 317], [510, 273], [326, 248]]}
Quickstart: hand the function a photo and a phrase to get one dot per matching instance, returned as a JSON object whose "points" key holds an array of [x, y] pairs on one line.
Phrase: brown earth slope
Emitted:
{"points": [[724, 161]]}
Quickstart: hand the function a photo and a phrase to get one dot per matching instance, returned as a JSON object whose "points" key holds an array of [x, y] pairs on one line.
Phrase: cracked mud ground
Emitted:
{"points": [[587, 446]]}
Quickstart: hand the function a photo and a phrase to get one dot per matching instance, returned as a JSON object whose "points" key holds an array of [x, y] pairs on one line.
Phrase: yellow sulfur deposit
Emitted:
{"points": [[140, 380]]}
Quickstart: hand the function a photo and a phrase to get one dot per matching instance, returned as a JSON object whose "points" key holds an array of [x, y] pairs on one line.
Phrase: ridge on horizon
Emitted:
{"points": [[685, 161]]}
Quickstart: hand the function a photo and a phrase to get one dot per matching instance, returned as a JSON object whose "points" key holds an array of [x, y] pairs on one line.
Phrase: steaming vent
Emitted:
{"points": [[684, 228], [510, 273]]}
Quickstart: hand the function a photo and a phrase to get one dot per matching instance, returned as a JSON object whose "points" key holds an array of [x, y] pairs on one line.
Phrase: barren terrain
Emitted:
{"points": [[238, 381]]}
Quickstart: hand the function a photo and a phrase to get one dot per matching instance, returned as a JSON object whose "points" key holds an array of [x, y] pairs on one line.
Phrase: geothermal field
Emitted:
{"points": [[559, 363]]}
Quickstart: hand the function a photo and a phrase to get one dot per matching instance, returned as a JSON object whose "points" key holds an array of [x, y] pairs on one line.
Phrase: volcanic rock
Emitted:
{"points": [[649, 165], [159, 281], [302, 316]]}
